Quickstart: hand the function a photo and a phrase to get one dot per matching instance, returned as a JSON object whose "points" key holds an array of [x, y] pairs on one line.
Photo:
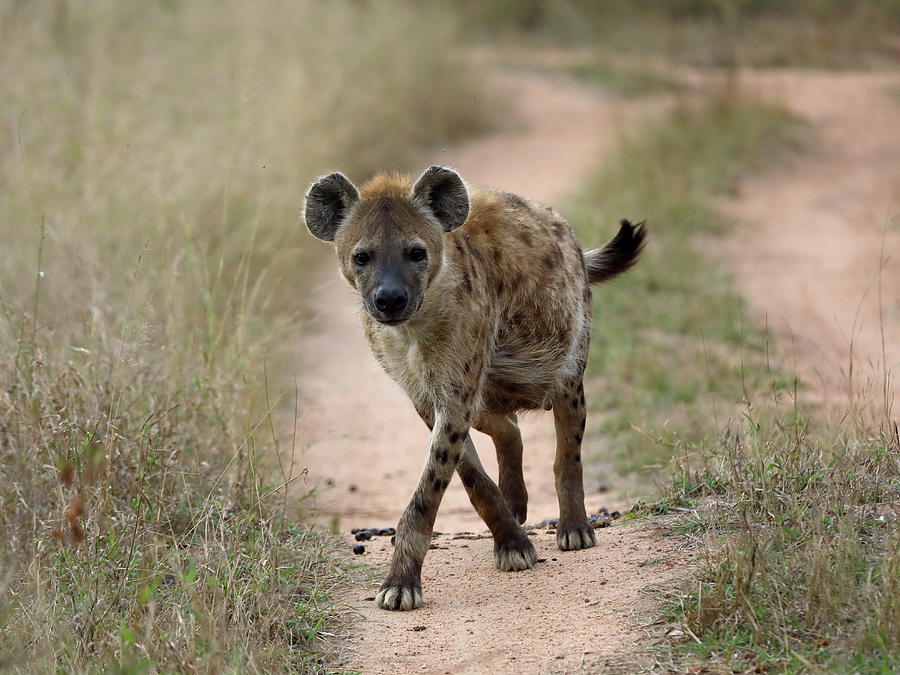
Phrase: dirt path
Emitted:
{"points": [[367, 448], [811, 233]]}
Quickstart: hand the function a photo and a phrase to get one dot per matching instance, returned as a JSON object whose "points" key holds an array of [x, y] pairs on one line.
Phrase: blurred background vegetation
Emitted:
{"points": [[152, 264]]}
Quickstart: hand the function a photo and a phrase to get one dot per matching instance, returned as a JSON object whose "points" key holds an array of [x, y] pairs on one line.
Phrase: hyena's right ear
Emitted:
{"points": [[327, 202]]}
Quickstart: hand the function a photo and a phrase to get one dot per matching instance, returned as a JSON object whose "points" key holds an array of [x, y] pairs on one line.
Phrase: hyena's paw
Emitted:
{"points": [[398, 596], [574, 536], [515, 554]]}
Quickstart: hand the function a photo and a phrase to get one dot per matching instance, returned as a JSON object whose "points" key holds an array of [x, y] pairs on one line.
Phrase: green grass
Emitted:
{"points": [[151, 277], [628, 80], [671, 336]]}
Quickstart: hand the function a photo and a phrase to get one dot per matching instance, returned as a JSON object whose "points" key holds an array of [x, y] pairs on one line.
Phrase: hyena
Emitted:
{"points": [[478, 303]]}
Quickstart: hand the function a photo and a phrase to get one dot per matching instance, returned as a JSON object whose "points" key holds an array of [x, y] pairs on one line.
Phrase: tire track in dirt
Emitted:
{"points": [[367, 446], [816, 249]]}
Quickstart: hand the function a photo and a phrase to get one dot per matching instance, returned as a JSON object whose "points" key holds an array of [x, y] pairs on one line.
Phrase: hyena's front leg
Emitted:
{"points": [[403, 587], [513, 550], [573, 531]]}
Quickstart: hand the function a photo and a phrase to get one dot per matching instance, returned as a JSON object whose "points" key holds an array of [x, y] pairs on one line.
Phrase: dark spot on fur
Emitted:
{"points": [[549, 262], [524, 236], [574, 404], [442, 456], [455, 438], [500, 287], [459, 249], [467, 282], [431, 475], [578, 438], [437, 485], [418, 503], [578, 457], [497, 253]]}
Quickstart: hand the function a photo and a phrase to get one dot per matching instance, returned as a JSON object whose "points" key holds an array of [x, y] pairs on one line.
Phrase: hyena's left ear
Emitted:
{"points": [[327, 202], [443, 192]]}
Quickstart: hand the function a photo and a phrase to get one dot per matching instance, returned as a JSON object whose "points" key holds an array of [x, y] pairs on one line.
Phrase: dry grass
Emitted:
{"points": [[153, 160], [801, 517]]}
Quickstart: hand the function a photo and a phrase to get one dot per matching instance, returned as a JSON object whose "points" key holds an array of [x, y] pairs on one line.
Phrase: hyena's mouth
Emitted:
{"points": [[396, 320], [392, 322]]}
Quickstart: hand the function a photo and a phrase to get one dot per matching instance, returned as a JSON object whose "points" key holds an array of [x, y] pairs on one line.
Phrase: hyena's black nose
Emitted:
{"points": [[391, 299]]}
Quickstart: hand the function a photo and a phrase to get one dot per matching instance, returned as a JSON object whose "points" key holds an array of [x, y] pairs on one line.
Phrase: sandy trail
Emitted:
{"points": [[811, 234], [367, 447]]}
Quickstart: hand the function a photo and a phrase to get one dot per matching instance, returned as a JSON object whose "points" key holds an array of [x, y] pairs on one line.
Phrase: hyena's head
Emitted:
{"points": [[389, 234]]}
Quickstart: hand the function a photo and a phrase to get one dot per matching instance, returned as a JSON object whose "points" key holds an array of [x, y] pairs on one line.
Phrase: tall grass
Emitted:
{"points": [[829, 33], [152, 268]]}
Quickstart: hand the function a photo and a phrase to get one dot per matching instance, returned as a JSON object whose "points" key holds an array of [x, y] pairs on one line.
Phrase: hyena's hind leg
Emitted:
{"points": [[513, 549], [573, 531], [504, 432]]}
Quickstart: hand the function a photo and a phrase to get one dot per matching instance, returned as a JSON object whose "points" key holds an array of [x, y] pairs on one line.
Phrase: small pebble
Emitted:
{"points": [[419, 628], [387, 531], [353, 488], [614, 514], [374, 531], [359, 549], [363, 535], [355, 530], [392, 540]]}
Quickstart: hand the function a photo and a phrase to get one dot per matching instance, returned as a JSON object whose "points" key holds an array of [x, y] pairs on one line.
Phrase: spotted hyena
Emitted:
{"points": [[478, 303]]}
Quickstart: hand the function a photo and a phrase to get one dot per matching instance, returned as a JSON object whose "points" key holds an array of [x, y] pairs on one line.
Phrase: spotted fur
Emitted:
{"points": [[497, 321]]}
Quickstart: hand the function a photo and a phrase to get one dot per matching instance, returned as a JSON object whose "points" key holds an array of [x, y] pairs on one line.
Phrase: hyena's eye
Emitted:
{"points": [[417, 254], [361, 258]]}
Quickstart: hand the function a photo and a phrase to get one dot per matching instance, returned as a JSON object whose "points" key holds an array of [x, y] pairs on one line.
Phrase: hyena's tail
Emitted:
{"points": [[618, 254]]}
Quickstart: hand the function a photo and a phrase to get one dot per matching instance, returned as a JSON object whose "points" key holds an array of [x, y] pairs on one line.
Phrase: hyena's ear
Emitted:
{"points": [[443, 192], [327, 202]]}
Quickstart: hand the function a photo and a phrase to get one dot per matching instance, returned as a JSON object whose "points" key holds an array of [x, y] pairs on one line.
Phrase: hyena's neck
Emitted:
{"points": [[421, 353]]}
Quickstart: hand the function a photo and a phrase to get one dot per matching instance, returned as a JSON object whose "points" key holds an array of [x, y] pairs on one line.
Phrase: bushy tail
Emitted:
{"points": [[617, 255]]}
